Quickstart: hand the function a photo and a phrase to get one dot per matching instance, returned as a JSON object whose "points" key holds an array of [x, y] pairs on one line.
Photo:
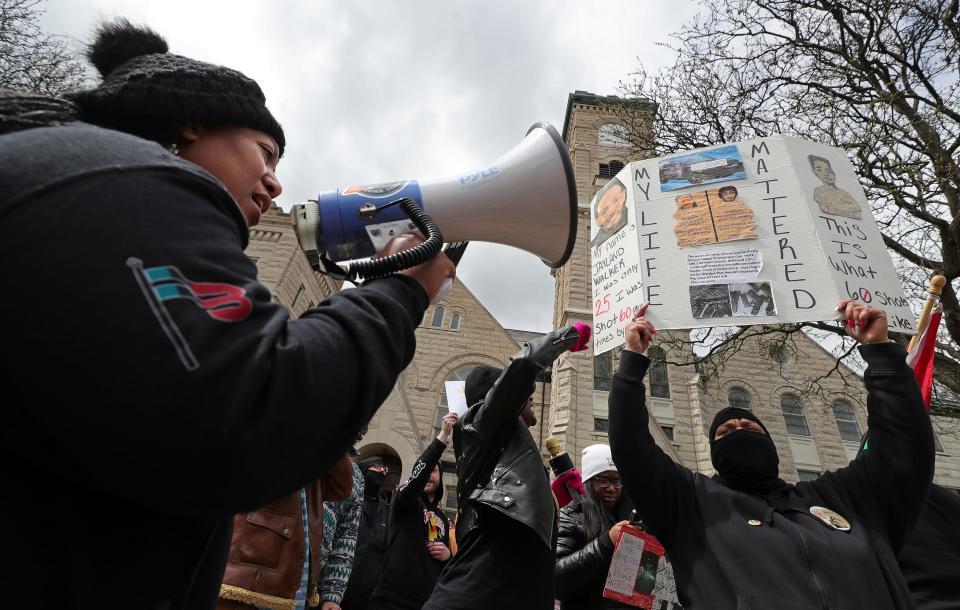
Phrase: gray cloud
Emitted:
{"points": [[375, 91]]}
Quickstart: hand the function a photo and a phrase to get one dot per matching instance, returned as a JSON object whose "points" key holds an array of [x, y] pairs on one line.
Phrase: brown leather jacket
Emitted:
{"points": [[267, 551]]}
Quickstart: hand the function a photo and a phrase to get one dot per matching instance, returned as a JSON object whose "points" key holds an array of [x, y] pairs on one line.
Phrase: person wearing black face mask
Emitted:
{"points": [[371, 537], [743, 452], [744, 538]]}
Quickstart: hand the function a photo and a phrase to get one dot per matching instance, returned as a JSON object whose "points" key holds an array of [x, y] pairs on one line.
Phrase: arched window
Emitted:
{"points": [[738, 398], [846, 422], [659, 379], [442, 409], [602, 371], [613, 135], [793, 416], [437, 320], [455, 322], [609, 170]]}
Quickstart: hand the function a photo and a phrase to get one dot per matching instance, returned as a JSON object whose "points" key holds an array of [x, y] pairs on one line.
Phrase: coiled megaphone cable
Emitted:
{"points": [[381, 267]]}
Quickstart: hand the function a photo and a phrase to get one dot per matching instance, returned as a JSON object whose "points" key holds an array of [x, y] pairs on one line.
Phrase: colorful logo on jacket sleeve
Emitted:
{"points": [[224, 302]]}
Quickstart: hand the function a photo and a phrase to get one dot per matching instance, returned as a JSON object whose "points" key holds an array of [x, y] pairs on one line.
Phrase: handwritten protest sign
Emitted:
{"points": [[765, 231], [640, 573]]}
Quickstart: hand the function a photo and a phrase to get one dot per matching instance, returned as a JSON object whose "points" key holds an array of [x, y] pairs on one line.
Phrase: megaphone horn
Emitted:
{"points": [[526, 199]]}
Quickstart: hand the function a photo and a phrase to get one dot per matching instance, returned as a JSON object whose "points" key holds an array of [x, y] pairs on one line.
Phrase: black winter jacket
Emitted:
{"points": [[930, 560], [141, 411], [737, 550], [582, 564]]}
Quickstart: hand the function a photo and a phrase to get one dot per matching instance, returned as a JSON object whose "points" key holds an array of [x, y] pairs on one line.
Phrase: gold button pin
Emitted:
{"points": [[754, 522]]}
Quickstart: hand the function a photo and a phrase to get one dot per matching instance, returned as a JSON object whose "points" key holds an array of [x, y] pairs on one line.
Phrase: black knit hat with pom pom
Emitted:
{"points": [[143, 84]]}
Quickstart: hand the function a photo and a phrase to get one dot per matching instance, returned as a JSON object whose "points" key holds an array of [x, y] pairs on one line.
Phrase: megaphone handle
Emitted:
{"points": [[381, 267]]}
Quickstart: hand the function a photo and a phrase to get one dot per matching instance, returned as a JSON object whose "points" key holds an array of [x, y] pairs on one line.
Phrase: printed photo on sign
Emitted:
{"points": [[610, 212], [647, 574], [435, 528], [831, 198], [710, 301], [752, 299], [712, 216], [704, 167]]}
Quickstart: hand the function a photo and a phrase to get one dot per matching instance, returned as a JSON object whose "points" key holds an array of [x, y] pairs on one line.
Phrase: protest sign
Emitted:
{"points": [[456, 397], [640, 574], [767, 231]]}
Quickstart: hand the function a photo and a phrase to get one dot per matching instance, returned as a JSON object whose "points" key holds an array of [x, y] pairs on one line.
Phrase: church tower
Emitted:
{"points": [[595, 134]]}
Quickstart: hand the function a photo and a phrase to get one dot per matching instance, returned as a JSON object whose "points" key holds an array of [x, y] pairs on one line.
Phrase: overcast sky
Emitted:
{"points": [[373, 91]]}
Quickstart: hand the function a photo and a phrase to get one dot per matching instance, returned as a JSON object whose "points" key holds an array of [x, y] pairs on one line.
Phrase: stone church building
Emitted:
{"points": [[814, 432]]}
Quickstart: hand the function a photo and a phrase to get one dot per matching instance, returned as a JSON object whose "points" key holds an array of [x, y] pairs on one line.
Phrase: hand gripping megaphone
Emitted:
{"points": [[526, 199]]}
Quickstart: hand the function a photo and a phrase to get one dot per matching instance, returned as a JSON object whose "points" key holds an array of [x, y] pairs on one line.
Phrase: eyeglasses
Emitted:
{"points": [[605, 483]]}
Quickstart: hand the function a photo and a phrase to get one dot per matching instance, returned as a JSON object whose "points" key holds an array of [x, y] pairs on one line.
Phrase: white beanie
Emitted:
{"points": [[596, 459]]}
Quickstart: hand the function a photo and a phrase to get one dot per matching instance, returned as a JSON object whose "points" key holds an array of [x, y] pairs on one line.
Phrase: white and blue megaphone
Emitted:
{"points": [[526, 199]]}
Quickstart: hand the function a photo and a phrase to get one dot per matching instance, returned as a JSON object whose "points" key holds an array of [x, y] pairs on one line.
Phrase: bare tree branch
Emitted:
{"points": [[31, 60]]}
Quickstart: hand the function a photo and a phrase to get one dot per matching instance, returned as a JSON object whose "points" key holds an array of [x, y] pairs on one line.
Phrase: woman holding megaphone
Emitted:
{"points": [[152, 388], [744, 538]]}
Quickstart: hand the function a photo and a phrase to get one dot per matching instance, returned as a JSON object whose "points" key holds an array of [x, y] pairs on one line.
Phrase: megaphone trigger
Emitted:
{"points": [[443, 292], [455, 251]]}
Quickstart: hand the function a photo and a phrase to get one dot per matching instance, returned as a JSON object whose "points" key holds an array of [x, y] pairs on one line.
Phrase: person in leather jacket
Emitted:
{"points": [[507, 524]]}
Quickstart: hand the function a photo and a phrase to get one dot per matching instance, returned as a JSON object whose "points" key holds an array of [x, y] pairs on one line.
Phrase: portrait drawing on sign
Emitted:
{"points": [[832, 199]]}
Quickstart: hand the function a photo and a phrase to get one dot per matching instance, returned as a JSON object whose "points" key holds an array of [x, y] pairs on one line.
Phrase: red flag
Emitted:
{"points": [[920, 359]]}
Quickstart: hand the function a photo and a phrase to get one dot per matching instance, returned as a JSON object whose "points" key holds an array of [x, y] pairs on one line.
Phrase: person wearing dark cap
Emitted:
{"points": [[507, 529], [745, 538], [419, 533], [151, 386], [371, 538]]}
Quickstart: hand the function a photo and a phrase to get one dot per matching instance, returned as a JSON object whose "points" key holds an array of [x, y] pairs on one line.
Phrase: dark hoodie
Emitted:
{"points": [[410, 573]]}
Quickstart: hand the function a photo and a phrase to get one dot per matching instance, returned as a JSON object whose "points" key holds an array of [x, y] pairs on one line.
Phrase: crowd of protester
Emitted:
{"points": [[161, 451]]}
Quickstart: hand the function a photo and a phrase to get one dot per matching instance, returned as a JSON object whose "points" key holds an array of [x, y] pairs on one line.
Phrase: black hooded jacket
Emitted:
{"points": [[732, 549], [409, 571]]}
